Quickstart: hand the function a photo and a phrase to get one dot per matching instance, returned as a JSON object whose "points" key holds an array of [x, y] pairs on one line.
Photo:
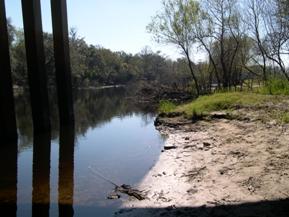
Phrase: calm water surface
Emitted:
{"points": [[57, 174]]}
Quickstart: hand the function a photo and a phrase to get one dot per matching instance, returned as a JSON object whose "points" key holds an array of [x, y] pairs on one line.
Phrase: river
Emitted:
{"points": [[59, 174]]}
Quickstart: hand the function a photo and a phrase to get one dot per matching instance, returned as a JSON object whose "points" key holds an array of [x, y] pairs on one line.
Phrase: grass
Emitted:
{"points": [[275, 86], [229, 101], [285, 118], [281, 116], [273, 93], [166, 106], [221, 101]]}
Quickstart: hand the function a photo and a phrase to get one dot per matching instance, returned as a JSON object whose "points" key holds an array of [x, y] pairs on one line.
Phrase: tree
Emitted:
{"points": [[206, 41], [96, 66], [78, 54], [277, 29], [256, 29], [223, 25], [175, 25], [11, 31], [18, 60]]}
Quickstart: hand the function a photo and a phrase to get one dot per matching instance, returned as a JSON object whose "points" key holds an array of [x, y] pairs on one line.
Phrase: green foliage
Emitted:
{"points": [[176, 25], [220, 101], [275, 86], [166, 106], [285, 118], [96, 66]]}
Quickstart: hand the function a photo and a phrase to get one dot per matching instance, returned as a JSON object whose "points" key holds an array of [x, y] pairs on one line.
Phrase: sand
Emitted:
{"points": [[219, 168]]}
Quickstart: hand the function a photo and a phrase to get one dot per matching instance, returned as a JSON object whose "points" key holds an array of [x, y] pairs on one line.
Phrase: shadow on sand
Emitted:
{"points": [[278, 208]]}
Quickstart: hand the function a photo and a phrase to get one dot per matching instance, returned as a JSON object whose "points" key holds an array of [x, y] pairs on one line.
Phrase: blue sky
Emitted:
{"points": [[114, 24]]}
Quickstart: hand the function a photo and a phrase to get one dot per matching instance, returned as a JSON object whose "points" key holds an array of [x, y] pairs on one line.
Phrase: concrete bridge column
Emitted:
{"points": [[8, 129], [37, 77], [62, 62]]}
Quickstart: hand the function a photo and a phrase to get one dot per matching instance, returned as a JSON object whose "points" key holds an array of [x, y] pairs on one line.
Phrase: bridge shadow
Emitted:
{"points": [[276, 208]]}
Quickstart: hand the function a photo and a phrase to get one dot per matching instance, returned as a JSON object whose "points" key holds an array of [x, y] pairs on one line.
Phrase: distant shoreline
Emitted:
{"points": [[21, 89], [101, 87]]}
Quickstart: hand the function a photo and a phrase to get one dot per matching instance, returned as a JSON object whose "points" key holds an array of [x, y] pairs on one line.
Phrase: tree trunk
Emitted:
{"points": [[193, 73], [212, 61]]}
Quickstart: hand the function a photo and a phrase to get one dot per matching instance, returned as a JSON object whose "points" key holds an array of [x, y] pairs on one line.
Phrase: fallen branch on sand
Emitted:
{"points": [[124, 189]]}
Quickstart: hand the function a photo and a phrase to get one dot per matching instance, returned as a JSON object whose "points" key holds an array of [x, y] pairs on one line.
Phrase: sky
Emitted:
{"points": [[119, 25]]}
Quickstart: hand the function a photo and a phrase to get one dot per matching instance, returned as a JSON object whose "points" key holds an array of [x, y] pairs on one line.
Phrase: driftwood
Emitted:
{"points": [[128, 190], [124, 189]]}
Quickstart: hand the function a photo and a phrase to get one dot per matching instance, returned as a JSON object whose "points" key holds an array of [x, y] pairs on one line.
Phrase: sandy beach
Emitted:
{"points": [[217, 167]]}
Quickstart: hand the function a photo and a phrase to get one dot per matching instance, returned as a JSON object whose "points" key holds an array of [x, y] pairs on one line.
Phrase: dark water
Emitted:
{"points": [[57, 174]]}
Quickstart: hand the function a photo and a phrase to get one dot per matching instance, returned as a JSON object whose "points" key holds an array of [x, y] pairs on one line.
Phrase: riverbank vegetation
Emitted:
{"points": [[244, 44], [216, 102], [231, 105], [242, 40], [94, 66]]}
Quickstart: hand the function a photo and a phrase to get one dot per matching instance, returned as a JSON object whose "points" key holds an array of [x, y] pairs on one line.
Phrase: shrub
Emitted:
{"points": [[166, 106], [275, 86]]}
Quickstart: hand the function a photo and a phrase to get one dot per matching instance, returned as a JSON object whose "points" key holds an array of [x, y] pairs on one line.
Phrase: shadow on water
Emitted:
{"points": [[277, 208]]}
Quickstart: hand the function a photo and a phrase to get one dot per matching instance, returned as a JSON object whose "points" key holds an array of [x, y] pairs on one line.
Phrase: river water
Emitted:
{"points": [[59, 174]]}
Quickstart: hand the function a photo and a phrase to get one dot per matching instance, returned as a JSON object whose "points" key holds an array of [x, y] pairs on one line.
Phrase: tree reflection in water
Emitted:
{"points": [[93, 108]]}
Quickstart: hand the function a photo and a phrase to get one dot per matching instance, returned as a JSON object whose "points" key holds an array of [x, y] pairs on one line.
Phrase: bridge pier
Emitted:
{"points": [[8, 129], [37, 77], [62, 62]]}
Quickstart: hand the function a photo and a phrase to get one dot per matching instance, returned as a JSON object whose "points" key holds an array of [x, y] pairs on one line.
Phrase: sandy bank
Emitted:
{"points": [[218, 168]]}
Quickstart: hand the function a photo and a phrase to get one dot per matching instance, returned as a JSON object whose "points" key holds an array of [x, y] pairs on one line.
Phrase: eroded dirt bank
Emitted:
{"points": [[218, 167]]}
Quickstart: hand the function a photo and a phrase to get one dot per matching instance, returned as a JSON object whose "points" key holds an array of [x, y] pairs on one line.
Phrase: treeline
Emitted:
{"points": [[97, 66], [242, 39]]}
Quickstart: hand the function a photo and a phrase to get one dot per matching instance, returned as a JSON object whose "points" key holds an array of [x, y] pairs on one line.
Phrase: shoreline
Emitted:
{"points": [[101, 87], [217, 164]]}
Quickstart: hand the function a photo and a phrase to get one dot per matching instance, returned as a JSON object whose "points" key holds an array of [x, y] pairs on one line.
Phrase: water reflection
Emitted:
{"points": [[41, 175], [8, 179], [66, 172], [112, 134], [92, 109]]}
